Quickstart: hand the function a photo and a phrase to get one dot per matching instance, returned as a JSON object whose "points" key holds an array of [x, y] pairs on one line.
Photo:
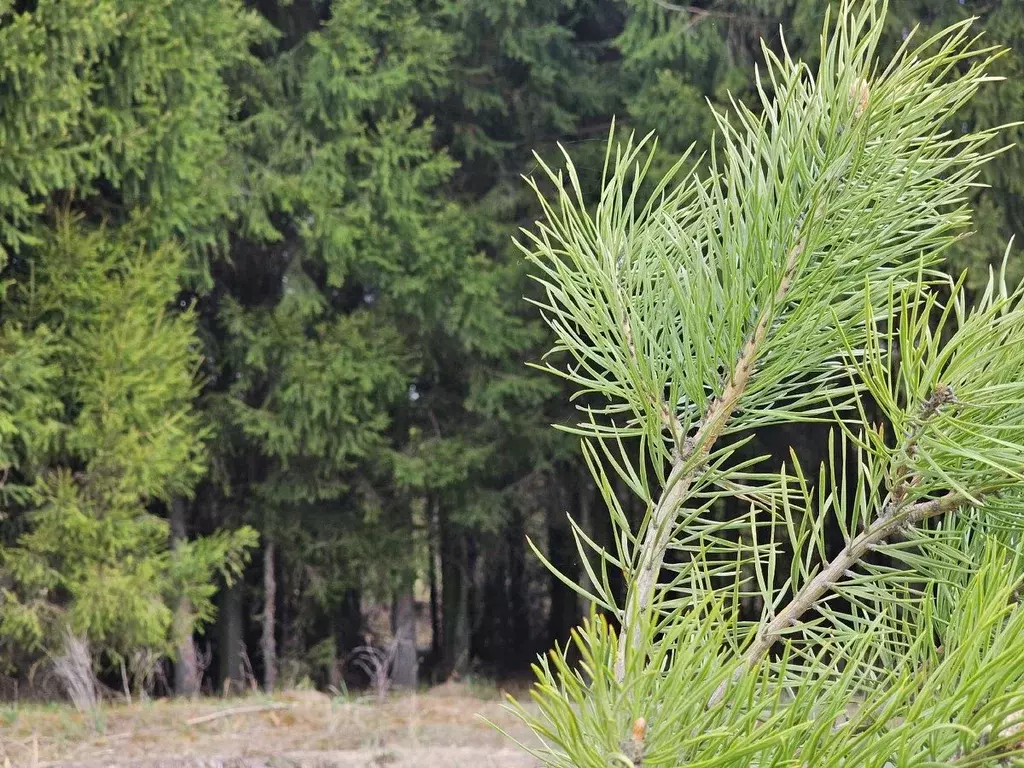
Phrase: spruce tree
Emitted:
{"points": [[327, 311], [115, 388], [794, 280], [116, 172], [524, 75]]}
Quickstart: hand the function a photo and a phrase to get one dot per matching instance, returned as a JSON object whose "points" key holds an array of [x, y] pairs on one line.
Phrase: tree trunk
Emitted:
{"points": [[435, 607], [567, 606], [186, 665], [74, 669], [291, 645], [335, 680], [518, 593], [404, 670], [232, 666], [492, 641], [267, 643], [454, 599], [588, 509], [350, 621]]}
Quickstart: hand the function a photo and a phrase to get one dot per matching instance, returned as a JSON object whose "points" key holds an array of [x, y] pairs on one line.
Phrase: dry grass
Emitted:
{"points": [[441, 727]]}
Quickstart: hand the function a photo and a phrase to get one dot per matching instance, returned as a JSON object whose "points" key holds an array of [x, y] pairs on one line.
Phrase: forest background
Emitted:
{"points": [[264, 398]]}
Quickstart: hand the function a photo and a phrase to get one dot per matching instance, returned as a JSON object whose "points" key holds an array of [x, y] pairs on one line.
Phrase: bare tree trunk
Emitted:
{"points": [[454, 599], [493, 639], [596, 530], [404, 670], [268, 644], [74, 669], [350, 622], [335, 681], [232, 665], [574, 491], [186, 666], [435, 607], [518, 592]]}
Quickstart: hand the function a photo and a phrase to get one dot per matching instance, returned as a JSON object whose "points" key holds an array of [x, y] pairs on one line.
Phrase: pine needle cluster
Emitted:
{"points": [[794, 276]]}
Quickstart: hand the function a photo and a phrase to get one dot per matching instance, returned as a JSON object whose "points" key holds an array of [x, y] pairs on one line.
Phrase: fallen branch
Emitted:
{"points": [[249, 710]]}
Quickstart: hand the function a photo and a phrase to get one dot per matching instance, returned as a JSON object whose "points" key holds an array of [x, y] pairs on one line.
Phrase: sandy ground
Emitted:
{"points": [[444, 727]]}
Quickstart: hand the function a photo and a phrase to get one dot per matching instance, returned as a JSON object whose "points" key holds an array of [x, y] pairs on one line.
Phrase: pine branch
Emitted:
{"points": [[666, 415], [842, 566], [711, 332], [904, 480], [893, 519], [688, 464]]}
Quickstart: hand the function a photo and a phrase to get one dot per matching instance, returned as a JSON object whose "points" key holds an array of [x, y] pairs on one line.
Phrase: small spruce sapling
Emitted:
{"points": [[792, 280]]}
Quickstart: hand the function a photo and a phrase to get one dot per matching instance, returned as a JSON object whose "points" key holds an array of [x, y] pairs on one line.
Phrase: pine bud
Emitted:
{"points": [[639, 730]]}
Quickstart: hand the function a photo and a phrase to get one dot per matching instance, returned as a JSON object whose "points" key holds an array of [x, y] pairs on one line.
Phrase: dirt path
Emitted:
{"points": [[445, 727]]}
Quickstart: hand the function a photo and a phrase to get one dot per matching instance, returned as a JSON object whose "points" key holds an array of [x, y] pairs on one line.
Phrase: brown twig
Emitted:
{"points": [[894, 518], [236, 711]]}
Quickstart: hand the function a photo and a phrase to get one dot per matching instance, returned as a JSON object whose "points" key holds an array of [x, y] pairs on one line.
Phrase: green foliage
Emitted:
{"points": [[326, 408], [335, 183], [116, 113], [792, 280], [116, 382], [938, 714], [343, 242], [29, 406], [675, 58], [128, 94]]}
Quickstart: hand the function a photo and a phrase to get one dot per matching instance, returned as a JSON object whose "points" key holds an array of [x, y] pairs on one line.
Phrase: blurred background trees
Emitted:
{"points": [[263, 337]]}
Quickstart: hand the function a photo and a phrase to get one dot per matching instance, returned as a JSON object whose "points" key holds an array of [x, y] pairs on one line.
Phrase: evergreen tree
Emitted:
{"points": [[115, 140], [120, 106], [524, 75], [328, 311], [91, 562], [323, 195]]}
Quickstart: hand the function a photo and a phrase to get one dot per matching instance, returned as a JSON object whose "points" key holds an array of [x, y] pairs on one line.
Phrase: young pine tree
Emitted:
{"points": [[795, 280]]}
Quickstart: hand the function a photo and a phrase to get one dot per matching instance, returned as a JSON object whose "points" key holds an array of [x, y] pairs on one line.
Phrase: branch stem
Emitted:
{"points": [[883, 528], [686, 466], [902, 474]]}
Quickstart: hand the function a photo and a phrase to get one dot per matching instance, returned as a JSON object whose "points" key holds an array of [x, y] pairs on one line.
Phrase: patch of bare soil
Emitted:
{"points": [[443, 727]]}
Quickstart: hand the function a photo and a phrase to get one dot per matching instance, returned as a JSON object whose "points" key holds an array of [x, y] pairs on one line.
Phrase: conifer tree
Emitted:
{"points": [[524, 76], [331, 304], [121, 107], [115, 141], [794, 281], [116, 385]]}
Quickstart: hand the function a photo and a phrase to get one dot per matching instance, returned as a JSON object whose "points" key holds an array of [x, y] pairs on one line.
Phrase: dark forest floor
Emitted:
{"points": [[442, 727]]}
